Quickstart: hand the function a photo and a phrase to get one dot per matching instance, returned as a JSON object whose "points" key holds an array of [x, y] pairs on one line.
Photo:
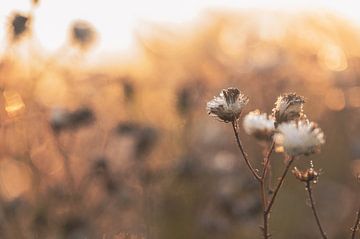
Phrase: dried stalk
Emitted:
{"points": [[251, 168], [262, 178], [313, 208], [355, 228]]}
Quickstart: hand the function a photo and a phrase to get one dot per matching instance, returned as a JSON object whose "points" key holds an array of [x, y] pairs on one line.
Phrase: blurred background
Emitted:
{"points": [[104, 132]]}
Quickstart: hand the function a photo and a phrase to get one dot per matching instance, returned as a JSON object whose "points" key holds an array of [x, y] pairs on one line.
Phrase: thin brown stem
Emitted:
{"points": [[281, 181], [251, 168], [267, 160], [313, 208], [265, 227], [66, 164], [355, 228]]}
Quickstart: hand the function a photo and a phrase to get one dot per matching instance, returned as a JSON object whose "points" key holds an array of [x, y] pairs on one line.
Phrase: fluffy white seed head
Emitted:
{"points": [[259, 125], [228, 105], [299, 138]]}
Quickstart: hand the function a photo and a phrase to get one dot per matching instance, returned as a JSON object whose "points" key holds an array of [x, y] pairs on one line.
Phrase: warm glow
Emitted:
{"points": [[333, 57], [14, 103], [335, 99], [354, 96], [118, 21]]}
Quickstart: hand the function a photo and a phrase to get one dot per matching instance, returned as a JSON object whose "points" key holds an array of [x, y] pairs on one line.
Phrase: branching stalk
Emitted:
{"points": [[262, 179]]}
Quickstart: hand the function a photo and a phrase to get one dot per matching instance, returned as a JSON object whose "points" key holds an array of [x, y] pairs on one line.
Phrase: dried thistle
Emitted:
{"points": [[299, 138], [288, 107], [228, 105], [259, 125]]}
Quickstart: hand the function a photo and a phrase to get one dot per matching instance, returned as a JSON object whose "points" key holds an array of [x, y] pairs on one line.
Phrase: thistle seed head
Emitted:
{"points": [[259, 125], [299, 138]]}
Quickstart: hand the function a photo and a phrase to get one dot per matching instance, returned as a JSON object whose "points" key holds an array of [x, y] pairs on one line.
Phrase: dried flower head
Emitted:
{"points": [[288, 107], [309, 175], [19, 24], [299, 138], [228, 105], [259, 125], [82, 34]]}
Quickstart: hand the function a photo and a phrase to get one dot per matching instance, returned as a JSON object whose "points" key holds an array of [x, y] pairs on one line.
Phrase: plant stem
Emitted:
{"points": [[264, 204], [253, 171], [309, 190], [267, 208], [355, 228], [272, 200], [263, 191], [267, 160], [66, 164]]}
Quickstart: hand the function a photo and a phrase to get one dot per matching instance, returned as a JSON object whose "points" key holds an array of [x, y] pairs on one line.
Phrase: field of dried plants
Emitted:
{"points": [[128, 150]]}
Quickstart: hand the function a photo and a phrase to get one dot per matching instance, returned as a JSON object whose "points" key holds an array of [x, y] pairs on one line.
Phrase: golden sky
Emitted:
{"points": [[116, 20]]}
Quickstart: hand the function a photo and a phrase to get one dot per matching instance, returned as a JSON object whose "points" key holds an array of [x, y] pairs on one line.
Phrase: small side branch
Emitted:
{"points": [[313, 208]]}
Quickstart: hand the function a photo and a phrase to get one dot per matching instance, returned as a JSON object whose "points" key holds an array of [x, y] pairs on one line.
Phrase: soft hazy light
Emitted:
{"points": [[333, 57], [13, 103], [354, 96], [116, 21], [335, 99]]}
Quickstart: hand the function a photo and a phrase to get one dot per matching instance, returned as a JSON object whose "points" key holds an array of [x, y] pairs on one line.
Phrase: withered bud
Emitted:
{"points": [[82, 34], [35, 2], [288, 107], [19, 24], [62, 119], [309, 175], [184, 100], [145, 136], [100, 166], [128, 89]]}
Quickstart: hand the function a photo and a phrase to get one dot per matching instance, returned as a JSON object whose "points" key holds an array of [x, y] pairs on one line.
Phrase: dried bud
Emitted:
{"points": [[288, 107], [82, 34], [228, 105], [299, 138], [145, 137], [185, 100], [62, 119], [35, 2], [75, 227], [309, 175], [128, 89], [259, 125], [100, 166], [19, 24]]}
